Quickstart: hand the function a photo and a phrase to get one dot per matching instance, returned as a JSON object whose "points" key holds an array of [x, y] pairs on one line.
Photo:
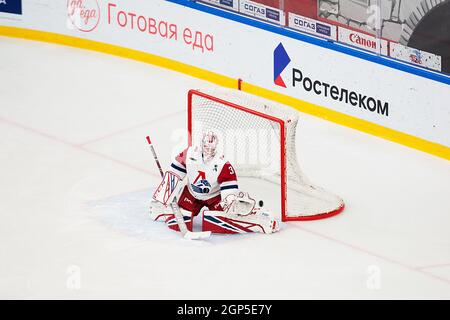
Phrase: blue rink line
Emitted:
{"points": [[385, 61]]}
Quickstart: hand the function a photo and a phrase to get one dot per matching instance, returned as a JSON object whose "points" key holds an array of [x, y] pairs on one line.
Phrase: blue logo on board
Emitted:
{"points": [[281, 61], [11, 6]]}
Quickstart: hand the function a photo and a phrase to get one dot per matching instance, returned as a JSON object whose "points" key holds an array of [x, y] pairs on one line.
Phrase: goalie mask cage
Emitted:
{"points": [[258, 137]]}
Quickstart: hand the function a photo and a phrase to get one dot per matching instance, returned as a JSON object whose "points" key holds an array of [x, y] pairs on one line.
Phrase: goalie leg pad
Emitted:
{"points": [[171, 221], [221, 222], [159, 212]]}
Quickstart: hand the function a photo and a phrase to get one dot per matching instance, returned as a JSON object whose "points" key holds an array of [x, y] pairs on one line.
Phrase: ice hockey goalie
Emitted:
{"points": [[207, 183]]}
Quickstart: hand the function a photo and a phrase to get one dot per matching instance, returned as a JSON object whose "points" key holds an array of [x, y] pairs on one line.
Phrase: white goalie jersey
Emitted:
{"points": [[205, 180]]}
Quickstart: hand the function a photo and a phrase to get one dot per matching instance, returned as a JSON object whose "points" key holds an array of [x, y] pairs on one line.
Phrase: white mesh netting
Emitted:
{"points": [[252, 143]]}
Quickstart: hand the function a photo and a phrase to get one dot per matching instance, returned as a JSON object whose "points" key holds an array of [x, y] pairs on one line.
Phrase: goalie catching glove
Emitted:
{"points": [[239, 215], [239, 204]]}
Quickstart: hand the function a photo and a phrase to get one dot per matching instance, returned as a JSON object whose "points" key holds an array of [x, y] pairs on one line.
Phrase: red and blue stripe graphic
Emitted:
{"points": [[224, 225], [281, 61]]}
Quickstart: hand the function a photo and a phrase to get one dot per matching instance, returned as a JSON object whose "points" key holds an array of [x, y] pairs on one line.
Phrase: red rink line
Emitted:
{"points": [[109, 135], [435, 266], [373, 254], [75, 146]]}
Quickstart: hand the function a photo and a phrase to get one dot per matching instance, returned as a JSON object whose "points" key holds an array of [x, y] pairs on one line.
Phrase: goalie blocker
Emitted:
{"points": [[236, 214]]}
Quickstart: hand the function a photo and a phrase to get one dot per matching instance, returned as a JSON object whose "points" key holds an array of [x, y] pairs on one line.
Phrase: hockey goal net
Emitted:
{"points": [[258, 137]]}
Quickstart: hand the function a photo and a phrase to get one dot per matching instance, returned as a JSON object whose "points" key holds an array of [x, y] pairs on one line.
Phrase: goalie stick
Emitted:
{"points": [[176, 209]]}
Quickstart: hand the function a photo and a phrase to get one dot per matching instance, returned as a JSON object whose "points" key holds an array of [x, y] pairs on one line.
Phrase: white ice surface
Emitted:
{"points": [[76, 173]]}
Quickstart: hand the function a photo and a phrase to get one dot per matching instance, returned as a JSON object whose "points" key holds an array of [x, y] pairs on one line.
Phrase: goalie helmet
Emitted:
{"points": [[209, 145]]}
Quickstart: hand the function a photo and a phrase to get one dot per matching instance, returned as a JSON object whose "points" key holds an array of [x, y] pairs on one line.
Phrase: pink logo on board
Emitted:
{"points": [[84, 14]]}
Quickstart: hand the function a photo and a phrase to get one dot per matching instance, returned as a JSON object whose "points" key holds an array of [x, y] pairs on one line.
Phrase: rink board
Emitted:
{"points": [[157, 33]]}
